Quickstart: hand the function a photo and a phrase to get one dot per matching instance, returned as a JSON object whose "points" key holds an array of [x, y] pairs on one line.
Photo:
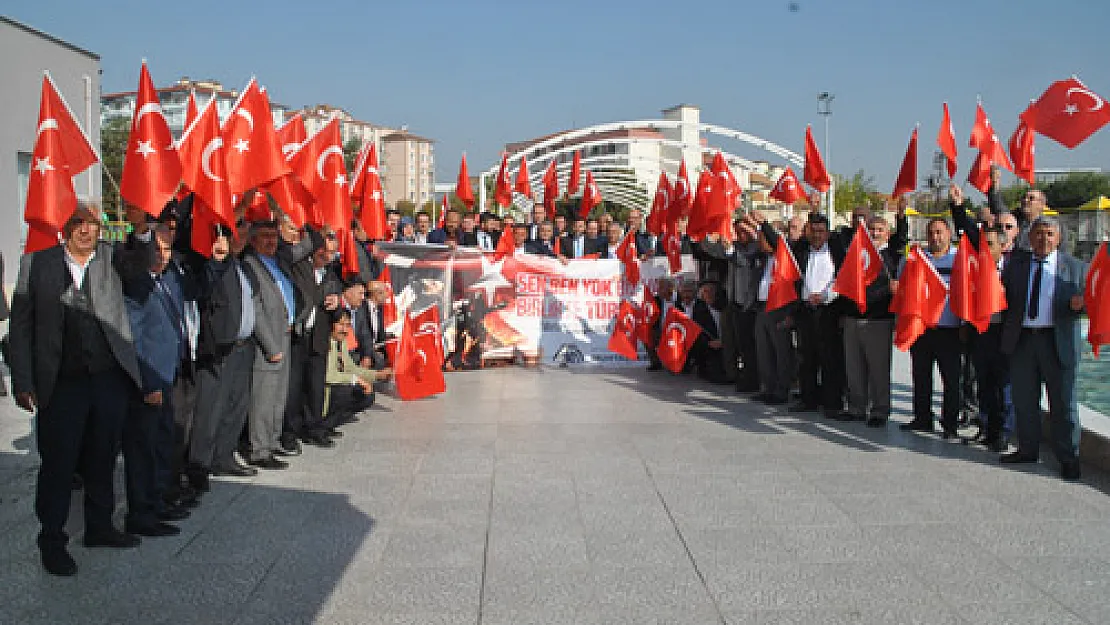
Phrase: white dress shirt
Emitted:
{"points": [[820, 273], [485, 241], [765, 281], [1048, 289], [77, 270]]}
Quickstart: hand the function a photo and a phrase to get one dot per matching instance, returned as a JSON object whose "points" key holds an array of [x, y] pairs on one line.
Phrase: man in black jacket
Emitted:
{"points": [[868, 336], [706, 353], [73, 360]]}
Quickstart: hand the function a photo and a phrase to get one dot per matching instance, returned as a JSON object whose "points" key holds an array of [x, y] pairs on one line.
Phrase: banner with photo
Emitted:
{"points": [[523, 308]]}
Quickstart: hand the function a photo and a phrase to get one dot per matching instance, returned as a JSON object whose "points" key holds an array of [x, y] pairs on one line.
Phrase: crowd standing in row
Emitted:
{"points": [[182, 362]]}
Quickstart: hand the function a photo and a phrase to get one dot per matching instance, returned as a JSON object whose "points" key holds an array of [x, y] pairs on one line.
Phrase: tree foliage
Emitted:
{"points": [[407, 208], [1071, 191], [113, 144], [858, 190], [350, 154]]}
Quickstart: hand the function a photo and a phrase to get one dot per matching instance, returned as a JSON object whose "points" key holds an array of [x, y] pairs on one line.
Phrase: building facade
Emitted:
{"points": [[25, 53], [174, 100], [407, 168]]}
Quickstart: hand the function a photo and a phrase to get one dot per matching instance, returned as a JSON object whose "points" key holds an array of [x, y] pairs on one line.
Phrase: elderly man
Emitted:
{"points": [[450, 230], [1033, 205], [1041, 335], [664, 301], [612, 242], [273, 324], [645, 242], [868, 336], [939, 346], [73, 359], [539, 215]]}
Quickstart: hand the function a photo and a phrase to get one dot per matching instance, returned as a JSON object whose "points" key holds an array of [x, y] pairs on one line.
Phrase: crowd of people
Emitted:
{"points": [[226, 363]]}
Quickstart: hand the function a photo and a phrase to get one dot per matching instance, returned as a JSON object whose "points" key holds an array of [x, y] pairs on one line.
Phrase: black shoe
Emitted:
{"points": [[843, 415], [993, 443], [916, 426], [349, 419], [112, 538], [803, 407], [289, 445], [236, 470], [271, 463], [1071, 471], [949, 433], [57, 561], [773, 400], [334, 433], [1018, 457], [188, 497], [198, 479], [876, 422], [154, 530], [654, 367], [747, 388], [173, 513], [318, 439]]}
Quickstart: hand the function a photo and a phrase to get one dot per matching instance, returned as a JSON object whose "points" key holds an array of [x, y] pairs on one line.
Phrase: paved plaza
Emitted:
{"points": [[602, 497]]}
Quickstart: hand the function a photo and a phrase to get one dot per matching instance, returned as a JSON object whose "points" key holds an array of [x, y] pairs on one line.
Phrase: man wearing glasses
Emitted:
{"points": [[1032, 207]]}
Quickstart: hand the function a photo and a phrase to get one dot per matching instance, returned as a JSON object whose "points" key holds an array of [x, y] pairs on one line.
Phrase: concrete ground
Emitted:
{"points": [[601, 497]]}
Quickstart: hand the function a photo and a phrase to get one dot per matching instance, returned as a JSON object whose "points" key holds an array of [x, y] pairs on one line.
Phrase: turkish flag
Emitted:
{"points": [[204, 170], [254, 155], [649, 316], [961, 285], [678, 336], [672, 246], [946, 139], [1097, 300], [784, 275], [626, 253], [591, 196], [203, 232], [389, 308], [417, 370], [292, 198], [503, 190], [862, 266], [722, 199], [1067, 112], [444, 206], [907, 176], [980, 174], [657, 219], [984, 138], [990, 297], [681, 199], [522, 185], [367, 191], [55, 113], [702, 217], [191, 109], [259, 207], [919, 301], [1022, 150], [463, 190], [575, 174], [815, 173], [550, 189], [506, 245], [426, 321], [622, 340], [320, 167], [787, 189], [292, 135], [151, 169]]}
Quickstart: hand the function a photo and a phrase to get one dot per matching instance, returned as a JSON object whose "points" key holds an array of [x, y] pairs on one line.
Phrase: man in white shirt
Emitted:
{"points": [[423, 227]]}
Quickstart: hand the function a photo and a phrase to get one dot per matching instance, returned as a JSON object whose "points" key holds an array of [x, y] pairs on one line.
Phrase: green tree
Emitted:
{"points": [[113, 144], [1076, 189], [855, 191], [350, 153], [407, 208]]}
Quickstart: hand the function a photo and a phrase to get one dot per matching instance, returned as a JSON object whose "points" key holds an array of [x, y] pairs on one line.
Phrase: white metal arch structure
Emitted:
{"points": [[541, 151]]}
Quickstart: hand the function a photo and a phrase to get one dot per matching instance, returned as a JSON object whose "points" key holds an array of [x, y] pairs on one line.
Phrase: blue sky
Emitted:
{"points": [[475, 75]]}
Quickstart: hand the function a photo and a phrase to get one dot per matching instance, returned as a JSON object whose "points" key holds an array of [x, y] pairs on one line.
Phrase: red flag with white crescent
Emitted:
{"points": [[1068, 112], [984, 138], [682, 199], [204, 168], [575, 174], [678, 336], [907, 175], [1022, 151], [418, 369], [862, 266], [1096, 295], [784, 276], [787, 189], [946, 140], [622, 340], [657, 219], [591, 196], [369, 197], [814, 171], [151, 168], [254, 155]]}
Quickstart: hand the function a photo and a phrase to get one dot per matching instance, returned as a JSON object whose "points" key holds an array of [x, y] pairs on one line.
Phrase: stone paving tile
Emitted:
{"points": [[635, 498]]}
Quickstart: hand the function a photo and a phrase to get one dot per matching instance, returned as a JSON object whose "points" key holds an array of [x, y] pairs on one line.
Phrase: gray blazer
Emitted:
{"points": [[38, 315], [271, 318], [1071, 278]]}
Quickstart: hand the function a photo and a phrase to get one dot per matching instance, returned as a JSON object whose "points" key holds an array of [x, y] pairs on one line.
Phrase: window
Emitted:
{"points": [[23, 176]]}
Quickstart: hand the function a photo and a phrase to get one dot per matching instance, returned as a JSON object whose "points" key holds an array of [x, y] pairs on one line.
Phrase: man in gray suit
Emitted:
{"points": [[73, 359], [1041, 335], [272, 327]]}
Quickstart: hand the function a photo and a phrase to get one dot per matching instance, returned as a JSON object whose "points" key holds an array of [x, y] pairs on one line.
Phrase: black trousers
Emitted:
{"points": [[940, 347], [79, 430], [315, 375], [223, 398], [184, 407], [821, 357], [148, 443], [993, 370], [744, 321], [346, 400], [293, 421]]}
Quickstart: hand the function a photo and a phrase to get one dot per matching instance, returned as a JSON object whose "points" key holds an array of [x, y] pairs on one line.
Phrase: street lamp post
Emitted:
{"points": [[824, 108]]}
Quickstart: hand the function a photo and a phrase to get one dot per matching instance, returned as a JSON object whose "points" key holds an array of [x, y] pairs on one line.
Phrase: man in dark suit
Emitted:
{"points": [[595, 238], [611, 242], [1041, 335], [645, 242], [73, 359], [573, 243], [544, 244], [468, 236], [745, 267], [272, 328], [664, 301], [450, 230], [707, 351], [817, 319]]}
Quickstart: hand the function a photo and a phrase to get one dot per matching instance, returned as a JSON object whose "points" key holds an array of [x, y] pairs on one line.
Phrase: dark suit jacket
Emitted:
{"points": [[221, 310], [801, 249], [540, 248], [704, 318], [468, 239], [38, 314], [439, 235], [745, 269], [1071, 279], [4, 312]]}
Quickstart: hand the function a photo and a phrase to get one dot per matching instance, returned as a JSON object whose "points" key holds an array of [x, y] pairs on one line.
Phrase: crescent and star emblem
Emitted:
{"points": [[206, 158], [288, 149], [1095, 283], [865, 260], [331, 149], [245, 114], [676, 326], [427, 327], [149, 107], [47, 124], [1096, 100], [681, 182]]}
